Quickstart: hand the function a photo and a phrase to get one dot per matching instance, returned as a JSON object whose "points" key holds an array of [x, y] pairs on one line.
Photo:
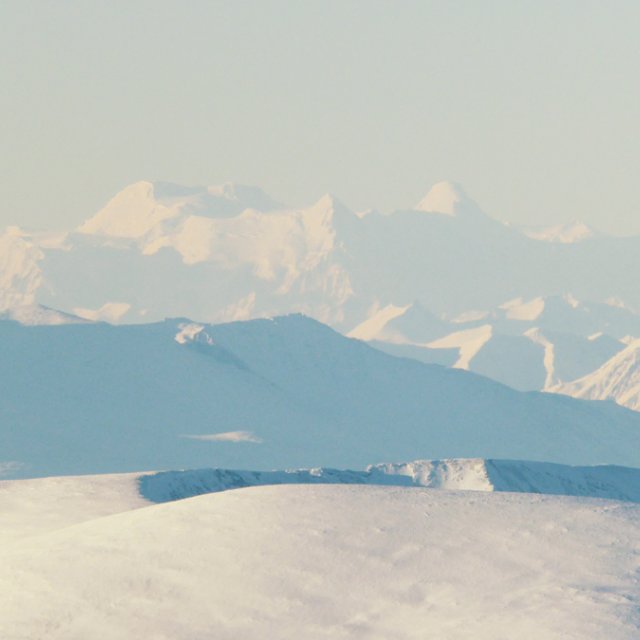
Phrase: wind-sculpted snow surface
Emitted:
{"points": [[328, 562], [166, 486], [600, 481], [41, 505], [619, 483], [265, 394]]}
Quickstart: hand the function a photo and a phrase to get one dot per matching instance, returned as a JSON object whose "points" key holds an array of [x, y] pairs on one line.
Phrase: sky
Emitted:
{"points": [[532, 106]]}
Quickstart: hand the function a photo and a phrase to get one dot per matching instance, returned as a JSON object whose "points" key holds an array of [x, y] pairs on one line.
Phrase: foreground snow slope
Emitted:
{"points": [[35, 507], [42, 505], [288, 392], [332, 562]]}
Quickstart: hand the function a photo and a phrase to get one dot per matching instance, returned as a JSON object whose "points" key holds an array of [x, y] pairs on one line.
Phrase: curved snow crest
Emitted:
{"points": [[473, 474], [167, 486]]}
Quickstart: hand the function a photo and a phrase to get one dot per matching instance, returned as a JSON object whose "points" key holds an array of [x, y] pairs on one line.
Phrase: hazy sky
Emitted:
{"points": [[532, 106]]}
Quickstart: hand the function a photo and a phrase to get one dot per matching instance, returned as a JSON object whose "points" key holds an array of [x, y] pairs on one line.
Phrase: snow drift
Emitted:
{"points": [[332, 562]]}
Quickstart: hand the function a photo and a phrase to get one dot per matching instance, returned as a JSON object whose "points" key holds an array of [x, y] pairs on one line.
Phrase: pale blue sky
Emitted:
{"points": [[532, 105]]}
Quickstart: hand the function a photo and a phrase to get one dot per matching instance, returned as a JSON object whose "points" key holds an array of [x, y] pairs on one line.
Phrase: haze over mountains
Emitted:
{"points": [[231, 252], [444, 326], [444, 282]]}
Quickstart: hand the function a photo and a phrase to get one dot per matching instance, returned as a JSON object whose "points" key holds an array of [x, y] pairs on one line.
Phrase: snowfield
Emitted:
{"points": [[331, 562], [41, 505]]}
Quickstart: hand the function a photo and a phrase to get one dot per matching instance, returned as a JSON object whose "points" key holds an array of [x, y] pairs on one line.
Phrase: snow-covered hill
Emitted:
{"points": [[287, 392], [330, 562], [618, 379], [602, 481], [40, 505]]}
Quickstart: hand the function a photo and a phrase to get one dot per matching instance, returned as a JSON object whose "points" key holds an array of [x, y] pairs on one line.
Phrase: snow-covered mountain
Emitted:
{"points": [[409, 324], [159, 250], [519, 343], [618, 379], [568, 233], [20, 270], [146, 207], [288, 392], [442, 283], [282, 561], [559, 314], [449, 199], [532, 361]]}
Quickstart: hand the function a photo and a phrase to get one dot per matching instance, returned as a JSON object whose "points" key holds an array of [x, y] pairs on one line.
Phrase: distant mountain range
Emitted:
{"points": [[534, 345], [617, 379], [231, 252], [536, 309]]}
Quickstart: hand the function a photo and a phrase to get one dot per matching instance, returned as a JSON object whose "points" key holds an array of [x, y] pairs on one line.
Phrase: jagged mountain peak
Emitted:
{"points": [[566, 233], [618, 379], [329, 201], [142, 206], [447, 198]]}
